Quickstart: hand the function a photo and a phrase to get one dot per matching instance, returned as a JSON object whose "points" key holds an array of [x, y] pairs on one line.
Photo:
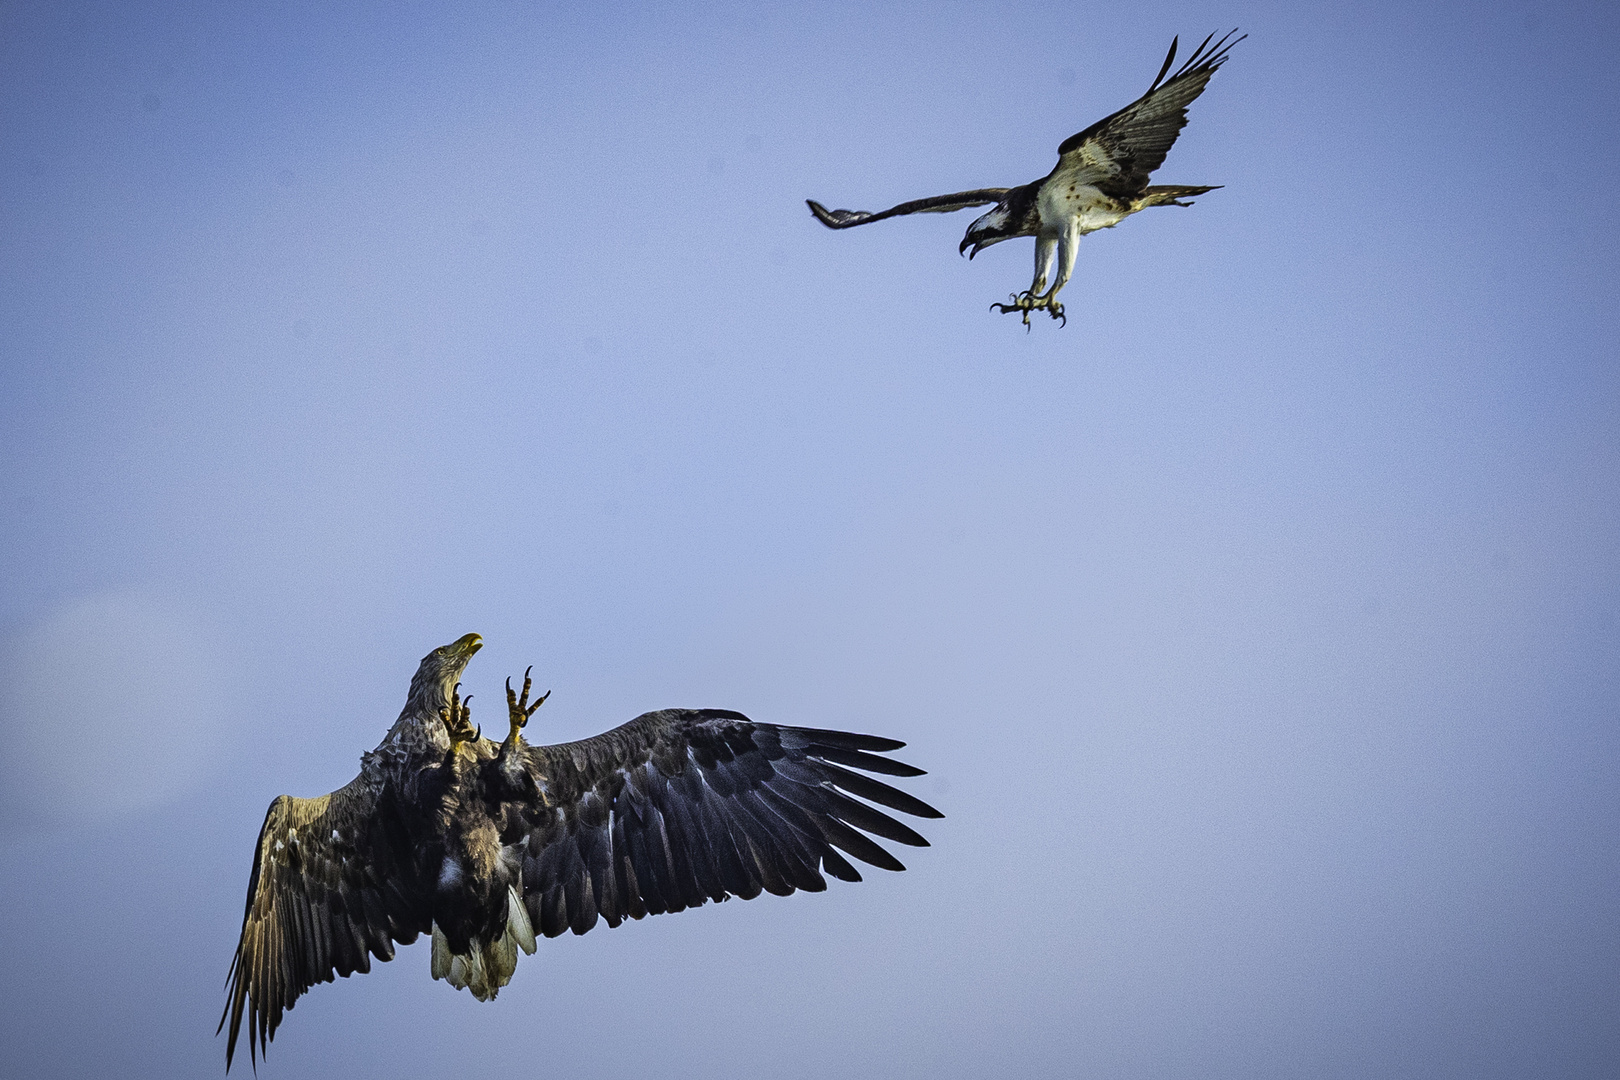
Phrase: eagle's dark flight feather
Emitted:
{"points": [[683, 806], [332, 886]]}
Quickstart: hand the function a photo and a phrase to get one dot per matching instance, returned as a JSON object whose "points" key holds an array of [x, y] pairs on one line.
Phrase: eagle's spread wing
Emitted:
{"points": [[687, 805], [939, 204], [330, 883], [1118, 152]]}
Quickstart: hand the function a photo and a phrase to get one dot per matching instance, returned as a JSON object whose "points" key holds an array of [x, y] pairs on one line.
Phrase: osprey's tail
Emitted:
{"points": [[485, 968], [1168, 195]]}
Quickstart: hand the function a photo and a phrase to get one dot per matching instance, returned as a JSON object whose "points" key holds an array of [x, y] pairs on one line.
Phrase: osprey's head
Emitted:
{"points": [[1014, 216], [991, 228], [440, 671]]}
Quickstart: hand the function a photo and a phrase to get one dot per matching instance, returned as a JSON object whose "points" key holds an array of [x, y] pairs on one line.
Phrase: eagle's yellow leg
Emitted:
{"points": [[518, 709]]}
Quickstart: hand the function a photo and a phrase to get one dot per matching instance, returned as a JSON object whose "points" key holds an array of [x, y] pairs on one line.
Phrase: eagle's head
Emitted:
{"points": [[440, 671]]}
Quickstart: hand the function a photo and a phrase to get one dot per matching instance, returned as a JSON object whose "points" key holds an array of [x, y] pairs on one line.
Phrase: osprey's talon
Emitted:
{"points": [[1020, 302], [1027, 302], [457, 717], [518, 709]]}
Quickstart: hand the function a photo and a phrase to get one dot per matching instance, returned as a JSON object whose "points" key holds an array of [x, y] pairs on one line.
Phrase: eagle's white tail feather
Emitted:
{"points": [[441, 953], [460, 971], [484, 969], [517, 921], [500, 960]]}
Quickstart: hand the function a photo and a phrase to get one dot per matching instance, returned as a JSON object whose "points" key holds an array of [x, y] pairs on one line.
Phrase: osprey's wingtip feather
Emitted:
{"points": [[1207, 57], [836, 219], [1169, 58]]}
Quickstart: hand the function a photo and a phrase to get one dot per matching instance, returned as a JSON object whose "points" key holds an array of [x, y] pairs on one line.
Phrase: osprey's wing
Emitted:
{"points": [[687, 805], [330, 884], [939, 204], [1118, 152]]}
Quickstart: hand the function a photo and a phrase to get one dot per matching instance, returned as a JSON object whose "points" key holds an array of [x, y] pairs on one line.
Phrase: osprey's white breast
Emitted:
{"points": [[1062, 204], [1068, 198]]}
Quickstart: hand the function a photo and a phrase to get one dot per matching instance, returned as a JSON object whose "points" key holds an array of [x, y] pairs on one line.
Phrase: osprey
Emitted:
{"points": [[482, 844], [1101, 178]]}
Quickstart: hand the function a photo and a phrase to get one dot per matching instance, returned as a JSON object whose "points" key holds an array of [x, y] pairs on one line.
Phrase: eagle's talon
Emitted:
{"points": [[518, 708], [457, 717]]}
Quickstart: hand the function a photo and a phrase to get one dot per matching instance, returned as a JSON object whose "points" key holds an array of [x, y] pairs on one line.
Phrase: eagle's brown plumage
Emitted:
{"points": [[481, 844]]}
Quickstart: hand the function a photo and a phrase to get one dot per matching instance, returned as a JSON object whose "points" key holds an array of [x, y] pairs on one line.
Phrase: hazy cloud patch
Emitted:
{"points": [[115, 705]]}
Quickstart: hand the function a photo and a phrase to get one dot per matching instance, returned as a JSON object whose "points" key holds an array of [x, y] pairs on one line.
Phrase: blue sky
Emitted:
{"points": [[1258, 629]]}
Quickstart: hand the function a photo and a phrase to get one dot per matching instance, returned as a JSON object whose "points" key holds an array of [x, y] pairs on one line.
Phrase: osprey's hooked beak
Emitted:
{"points": [[987, 229]]}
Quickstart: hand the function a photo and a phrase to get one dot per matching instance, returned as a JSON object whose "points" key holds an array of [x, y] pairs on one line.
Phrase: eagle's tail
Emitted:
{"points": [[485, 968], [1168, 195]]}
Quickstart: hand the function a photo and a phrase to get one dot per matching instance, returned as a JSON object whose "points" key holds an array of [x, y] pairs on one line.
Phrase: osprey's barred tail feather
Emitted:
{"points": [[1169, 195]]}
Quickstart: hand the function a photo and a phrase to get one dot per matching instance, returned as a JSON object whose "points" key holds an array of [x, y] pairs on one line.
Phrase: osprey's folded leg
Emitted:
{"points": [[1045, 248], [1067, 252], [1036, 296], [457, 717], [518, 709]]}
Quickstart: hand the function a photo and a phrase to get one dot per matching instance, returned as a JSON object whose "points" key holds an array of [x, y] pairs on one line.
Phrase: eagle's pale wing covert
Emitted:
{"points": [[938, 204], [687, 805], [1120, 151], [331, 887]]}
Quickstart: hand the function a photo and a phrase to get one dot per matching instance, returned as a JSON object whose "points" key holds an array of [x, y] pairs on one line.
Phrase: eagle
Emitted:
{"points": [[485, 845], [1101, 178]]}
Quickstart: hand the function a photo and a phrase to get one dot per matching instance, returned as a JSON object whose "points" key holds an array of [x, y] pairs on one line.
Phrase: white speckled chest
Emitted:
{"points": [[1069, 199], [1064, 204]]}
